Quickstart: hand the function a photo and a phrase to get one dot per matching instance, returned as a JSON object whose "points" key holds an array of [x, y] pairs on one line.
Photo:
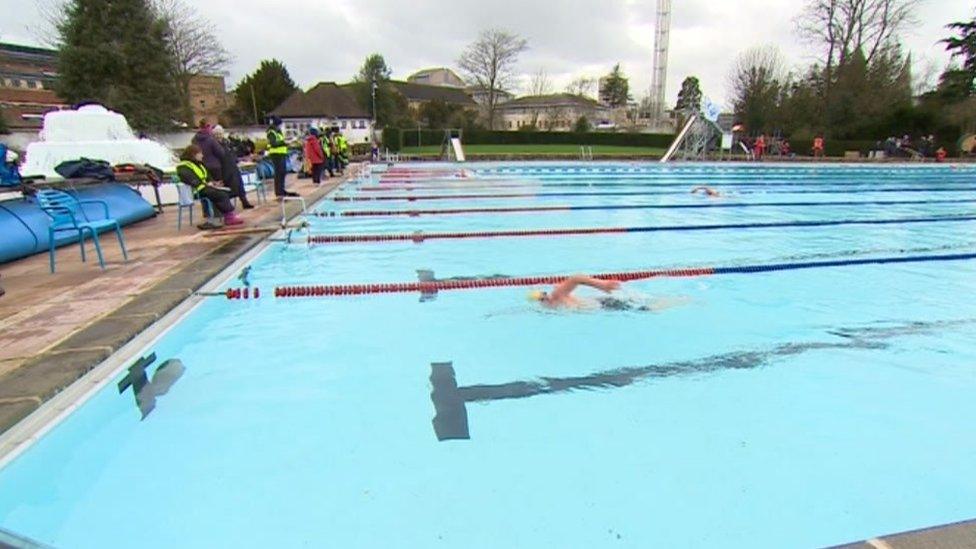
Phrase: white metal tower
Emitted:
{"points": [[659, 80]]}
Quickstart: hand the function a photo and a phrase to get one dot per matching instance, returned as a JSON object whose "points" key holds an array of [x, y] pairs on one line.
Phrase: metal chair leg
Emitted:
{"points": [[50, 250], [118, 233], [81, 243], [98, 248]]}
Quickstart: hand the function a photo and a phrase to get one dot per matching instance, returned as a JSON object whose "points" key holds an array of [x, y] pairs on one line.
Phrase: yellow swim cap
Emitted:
{"points": [[537, 295]]}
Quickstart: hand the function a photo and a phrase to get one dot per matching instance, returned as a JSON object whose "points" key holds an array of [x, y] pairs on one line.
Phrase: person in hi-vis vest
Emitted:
{"points": [[278, 154]]}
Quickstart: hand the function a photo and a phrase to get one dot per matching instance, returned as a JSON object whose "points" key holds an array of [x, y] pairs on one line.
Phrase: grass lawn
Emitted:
{"points": [[532, 150]]}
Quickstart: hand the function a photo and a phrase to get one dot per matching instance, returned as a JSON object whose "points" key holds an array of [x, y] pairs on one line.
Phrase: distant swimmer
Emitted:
{"points": [[707, 191], [561, 297]]}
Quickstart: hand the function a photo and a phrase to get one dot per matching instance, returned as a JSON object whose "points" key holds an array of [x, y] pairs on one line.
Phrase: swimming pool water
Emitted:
{"points": [[796, 408]]}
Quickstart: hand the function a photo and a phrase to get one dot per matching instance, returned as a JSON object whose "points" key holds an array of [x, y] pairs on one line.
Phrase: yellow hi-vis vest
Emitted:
{"points": [[343, 144], [275, 135], [199, 171]]}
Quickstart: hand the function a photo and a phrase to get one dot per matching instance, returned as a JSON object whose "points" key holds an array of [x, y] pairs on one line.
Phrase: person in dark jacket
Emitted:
{"points": [[213, 151], [229, 170], [194, 174], [315, 155]]}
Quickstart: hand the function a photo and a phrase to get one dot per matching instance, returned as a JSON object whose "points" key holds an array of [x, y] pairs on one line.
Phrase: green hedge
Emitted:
{"points": [[396, 139]]}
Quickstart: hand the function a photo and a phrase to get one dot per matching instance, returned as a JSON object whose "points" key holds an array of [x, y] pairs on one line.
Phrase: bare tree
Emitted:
{"points": [[51, 15], [582, 86], [842, 27], [194, 47], [755, 85], [539, 85], [489, 63]]}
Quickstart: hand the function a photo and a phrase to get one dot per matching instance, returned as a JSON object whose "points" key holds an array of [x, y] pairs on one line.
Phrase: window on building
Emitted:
{"points": [[343, 126]]}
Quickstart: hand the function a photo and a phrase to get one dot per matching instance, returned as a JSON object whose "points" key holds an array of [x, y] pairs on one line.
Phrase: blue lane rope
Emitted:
{"points": [[564, 208], [751, 269], [370, 197]]}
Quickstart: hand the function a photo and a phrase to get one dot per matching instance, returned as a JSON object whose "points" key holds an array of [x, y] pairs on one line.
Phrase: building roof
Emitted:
{"points": [[425, 92], [446, 72], [31, 50], [28, 58], [325, 100], [553, 100]]}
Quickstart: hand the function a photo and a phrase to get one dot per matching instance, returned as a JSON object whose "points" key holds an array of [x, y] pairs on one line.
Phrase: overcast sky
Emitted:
{"points": [[321, 40]]}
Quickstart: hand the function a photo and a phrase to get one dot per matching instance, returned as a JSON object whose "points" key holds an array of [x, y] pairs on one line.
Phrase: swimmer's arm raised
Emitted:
{"points": [[565, 288]]}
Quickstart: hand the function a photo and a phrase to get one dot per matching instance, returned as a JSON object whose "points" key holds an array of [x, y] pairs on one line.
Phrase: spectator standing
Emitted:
{"points": [[230, 172], [213, 152], [315, 155], [278, 154]]}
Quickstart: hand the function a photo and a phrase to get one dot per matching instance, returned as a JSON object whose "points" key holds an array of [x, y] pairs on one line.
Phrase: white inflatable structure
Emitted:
{"points": [[91, 132]]}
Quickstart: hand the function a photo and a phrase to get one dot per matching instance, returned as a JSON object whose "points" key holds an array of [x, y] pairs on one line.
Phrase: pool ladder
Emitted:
{"points": [[586, 152], [303, 217]]}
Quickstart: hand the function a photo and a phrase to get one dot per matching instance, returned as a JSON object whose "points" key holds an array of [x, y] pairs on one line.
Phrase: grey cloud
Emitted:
{"points": [[327, 40]]}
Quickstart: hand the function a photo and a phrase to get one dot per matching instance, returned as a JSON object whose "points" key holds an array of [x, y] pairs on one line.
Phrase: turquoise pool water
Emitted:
{"points": [[800, 408]]}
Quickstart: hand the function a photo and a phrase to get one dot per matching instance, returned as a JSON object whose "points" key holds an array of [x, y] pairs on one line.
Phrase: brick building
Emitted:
{"points": [[208, 98], [27, 76]]}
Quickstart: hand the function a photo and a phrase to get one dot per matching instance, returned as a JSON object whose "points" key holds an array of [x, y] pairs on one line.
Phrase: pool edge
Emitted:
{"points": [[167, 302]]}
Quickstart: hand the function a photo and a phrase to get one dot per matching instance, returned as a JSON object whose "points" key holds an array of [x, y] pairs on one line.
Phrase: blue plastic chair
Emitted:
{"points": [[187, 201], [253, 181], [67, 214]]}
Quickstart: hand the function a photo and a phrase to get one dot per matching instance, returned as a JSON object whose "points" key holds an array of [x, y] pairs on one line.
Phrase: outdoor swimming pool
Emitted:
{"points": [[826, 400]]}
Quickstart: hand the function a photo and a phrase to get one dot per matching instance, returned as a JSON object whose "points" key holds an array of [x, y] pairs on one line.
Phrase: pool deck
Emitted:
{"points": [[56, 328]]}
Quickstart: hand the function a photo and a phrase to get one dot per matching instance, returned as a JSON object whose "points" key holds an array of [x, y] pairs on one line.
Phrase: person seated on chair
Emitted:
{"points": [[193, 173]]}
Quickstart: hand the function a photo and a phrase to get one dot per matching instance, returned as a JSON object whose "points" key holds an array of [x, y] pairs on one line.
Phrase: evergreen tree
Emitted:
{"points": [[392, 109], [116, 53], [615, 88], [582, 125], [963, 45], [262, 91], [690, 96], [374, 69]]}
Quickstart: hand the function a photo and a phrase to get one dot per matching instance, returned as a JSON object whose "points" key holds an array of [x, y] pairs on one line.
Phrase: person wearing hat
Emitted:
{"points": [[213, 151], [315, 155], [561, 295], [278, 154], [229, 171]]}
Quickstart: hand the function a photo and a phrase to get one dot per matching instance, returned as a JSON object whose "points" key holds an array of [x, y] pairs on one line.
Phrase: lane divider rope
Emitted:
{"points": [[333, 290], [500, 196], [525, 209], [420, 237], [507, 196]]}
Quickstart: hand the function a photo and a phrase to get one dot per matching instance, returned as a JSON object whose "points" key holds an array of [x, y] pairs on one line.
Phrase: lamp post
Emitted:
{"points": [[373, 90]]}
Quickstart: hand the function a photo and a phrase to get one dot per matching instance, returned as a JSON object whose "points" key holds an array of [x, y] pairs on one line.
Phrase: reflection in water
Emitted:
{"points": [[451, 417]]}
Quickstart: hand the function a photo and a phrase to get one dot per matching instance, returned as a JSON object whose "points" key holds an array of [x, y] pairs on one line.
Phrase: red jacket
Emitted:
{"points": [[313, 150]]}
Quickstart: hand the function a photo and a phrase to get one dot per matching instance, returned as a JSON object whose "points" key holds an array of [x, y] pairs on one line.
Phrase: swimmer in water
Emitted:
{"points": [[707, 191], [561, 297]]}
